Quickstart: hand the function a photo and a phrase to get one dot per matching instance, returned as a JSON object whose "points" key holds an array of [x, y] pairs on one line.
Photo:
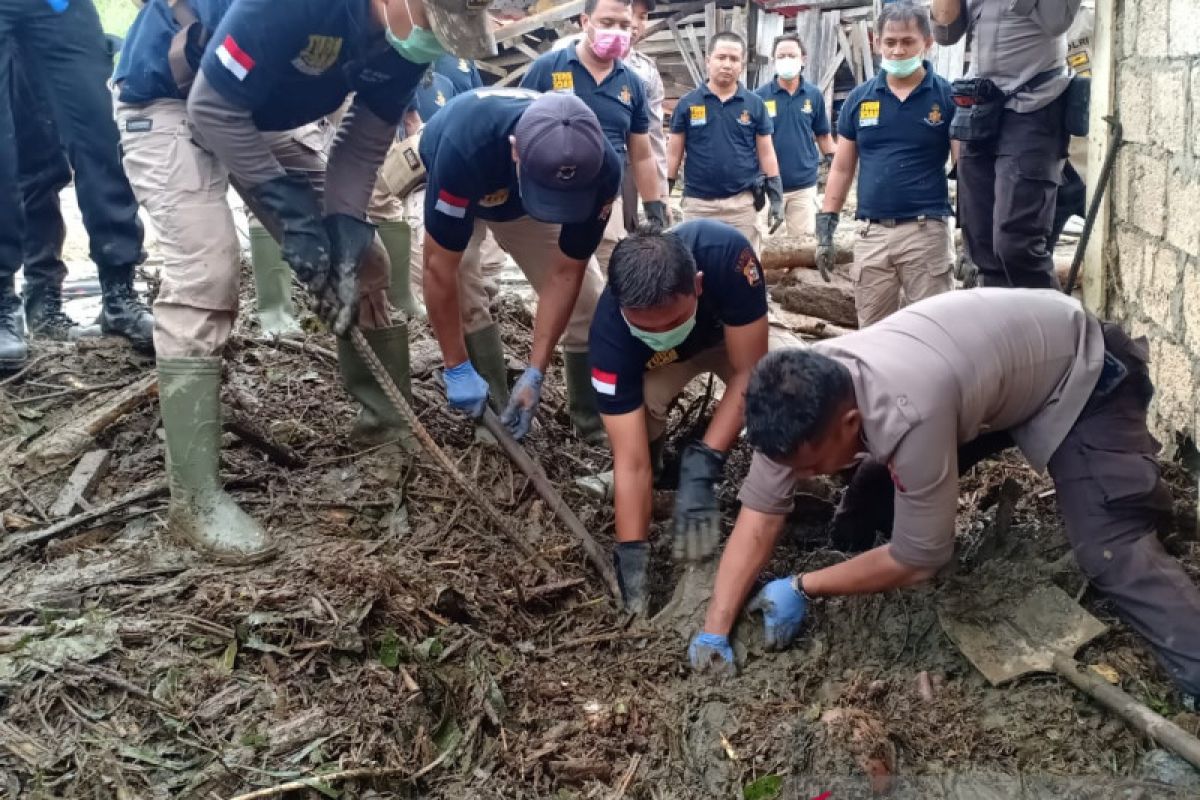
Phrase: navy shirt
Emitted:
{"points": [[429, 98], [734, 294], [721, 144], [462, 72], [470, 172], [619, 102], [289, 64], [902, 147], [797, 119]]}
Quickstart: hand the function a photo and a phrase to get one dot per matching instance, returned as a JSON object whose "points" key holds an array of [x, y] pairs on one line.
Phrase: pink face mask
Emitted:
{"points": [[610, 43]]}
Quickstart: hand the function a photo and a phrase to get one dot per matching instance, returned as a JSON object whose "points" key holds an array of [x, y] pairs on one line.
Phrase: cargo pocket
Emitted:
{"points": [[192, 169]]}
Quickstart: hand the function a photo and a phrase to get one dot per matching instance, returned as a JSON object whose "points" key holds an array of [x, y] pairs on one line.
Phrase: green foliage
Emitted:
{"points": [[765, 788]]}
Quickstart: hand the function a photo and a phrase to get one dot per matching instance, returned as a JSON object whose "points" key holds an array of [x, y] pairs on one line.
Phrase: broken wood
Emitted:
{"points": [[241, 426], [790, 252], [90, 470], [827, 301], [15, 543], [591, 548], [65, 443], [577, 770]]}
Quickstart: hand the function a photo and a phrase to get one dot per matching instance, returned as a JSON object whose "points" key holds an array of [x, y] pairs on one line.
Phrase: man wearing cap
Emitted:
{"points": [[913, 394], [725, 132], [895, 129], [537, 171], [680, 303], [801, 138], [593, 70], [208, 94]]}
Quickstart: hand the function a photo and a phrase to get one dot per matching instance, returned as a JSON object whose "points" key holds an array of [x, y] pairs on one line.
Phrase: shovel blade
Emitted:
{"points": [[1006, 642]]}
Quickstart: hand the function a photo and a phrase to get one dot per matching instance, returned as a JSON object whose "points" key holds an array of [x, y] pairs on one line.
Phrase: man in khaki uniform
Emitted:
{"points": [[895, 129], [725, 132], [911, 391]]}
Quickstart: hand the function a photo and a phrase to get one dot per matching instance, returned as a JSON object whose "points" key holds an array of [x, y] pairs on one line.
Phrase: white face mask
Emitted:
{"points": [[787, 68]]}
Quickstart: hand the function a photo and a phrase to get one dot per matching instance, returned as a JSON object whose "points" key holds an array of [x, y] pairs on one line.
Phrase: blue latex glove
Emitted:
{"points": [[523, 403], [465, 390], [710, 652], [783, 610]]}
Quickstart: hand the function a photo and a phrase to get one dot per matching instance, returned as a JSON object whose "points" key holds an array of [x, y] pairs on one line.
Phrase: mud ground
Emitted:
{"points": [[399, 635]]}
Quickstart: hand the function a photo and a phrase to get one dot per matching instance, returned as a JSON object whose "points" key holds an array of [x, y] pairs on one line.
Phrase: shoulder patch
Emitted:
{"points": [[747, 264], [604, 382], [318, 55]]}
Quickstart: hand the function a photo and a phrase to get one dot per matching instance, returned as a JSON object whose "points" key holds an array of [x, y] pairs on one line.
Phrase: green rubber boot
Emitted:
{"points": [[272, 285], [200, 511], [486, 352], [581, 398], [378, 421], [397, 240]]}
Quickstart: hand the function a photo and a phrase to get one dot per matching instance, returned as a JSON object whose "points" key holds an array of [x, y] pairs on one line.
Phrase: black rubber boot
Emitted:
{"points": [[14, 351], [122, 312], [44, 315]]}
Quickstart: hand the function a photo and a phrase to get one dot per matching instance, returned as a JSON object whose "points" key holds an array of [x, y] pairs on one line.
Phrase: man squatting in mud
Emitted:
{"points": [[208, 92], [920, 397]]}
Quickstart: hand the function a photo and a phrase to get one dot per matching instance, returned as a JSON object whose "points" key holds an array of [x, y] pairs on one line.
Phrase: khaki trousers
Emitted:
{"points": [[799, 214], [532, 245], [737, 211], [184, 189], [914, 257], [662, 385]]}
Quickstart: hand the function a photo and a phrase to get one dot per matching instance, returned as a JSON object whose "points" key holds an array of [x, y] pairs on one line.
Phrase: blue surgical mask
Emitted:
{"points": [[903, 68], [661, 342]]}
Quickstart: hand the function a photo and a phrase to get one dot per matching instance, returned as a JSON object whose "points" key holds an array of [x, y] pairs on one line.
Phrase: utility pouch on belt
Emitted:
{"points": [[759, 190], [403, 171], [1078, 105], [979, 104]]}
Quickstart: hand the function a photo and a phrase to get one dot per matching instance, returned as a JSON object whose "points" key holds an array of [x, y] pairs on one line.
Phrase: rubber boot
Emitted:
{"points": [[486, 351], [378, 421], [14, 350], [272, 285], [44, 315], [581, 398], [122, 312], [200, 511], [397, 240]]}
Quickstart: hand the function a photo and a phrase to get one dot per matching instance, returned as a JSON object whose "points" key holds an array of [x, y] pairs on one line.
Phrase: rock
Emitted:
{"points": [[1165, 767]]}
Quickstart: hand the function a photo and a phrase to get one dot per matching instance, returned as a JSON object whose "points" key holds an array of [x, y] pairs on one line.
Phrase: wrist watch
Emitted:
{"points": [[798, 585]]}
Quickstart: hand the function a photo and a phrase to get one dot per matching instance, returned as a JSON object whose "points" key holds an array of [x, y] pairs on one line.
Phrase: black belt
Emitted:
{"points": [[891, 222]]}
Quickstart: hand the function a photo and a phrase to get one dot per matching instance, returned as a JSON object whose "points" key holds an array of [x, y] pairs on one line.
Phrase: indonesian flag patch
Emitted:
{"points": [[234, 58], [451, 205], [604, 382]]}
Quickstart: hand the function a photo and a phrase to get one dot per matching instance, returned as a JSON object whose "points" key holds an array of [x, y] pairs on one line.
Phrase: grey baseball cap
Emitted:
{"points": [[560, 148], [463, 27]]}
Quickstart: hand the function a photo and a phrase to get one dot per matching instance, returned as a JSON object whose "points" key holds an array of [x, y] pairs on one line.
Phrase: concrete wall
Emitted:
{"points": [[1153, 239]]}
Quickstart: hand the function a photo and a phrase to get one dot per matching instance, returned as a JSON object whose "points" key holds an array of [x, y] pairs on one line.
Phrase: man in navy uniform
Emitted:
{"points": [[680, 303], [461, 72], [725, 132], [594, 71], [537, 171], [896, 129], [797, 110], [208, 94]]}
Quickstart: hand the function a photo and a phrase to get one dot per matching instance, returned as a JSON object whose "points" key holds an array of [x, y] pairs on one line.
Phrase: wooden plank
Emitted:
{"points": [[1104, 59], [685, 52], [506, 33], [848, 54], [90, 470], [863, 40]]}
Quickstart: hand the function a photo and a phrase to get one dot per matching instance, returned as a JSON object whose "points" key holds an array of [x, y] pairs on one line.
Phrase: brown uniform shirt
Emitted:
{"points": [[939, 373]]}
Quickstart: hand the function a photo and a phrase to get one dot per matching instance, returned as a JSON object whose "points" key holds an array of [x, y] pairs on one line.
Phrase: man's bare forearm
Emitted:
{"points": [[866, 573], [746, 554], [727, 422], [556, 301], [840, 178], [441, 301]]}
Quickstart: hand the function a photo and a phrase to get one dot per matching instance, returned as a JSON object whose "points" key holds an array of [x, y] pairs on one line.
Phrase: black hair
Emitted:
{"points": [[787, 37], [650, 5], [902, 13], [649, 267], [792, 398], [589, 6], [726, 36]]}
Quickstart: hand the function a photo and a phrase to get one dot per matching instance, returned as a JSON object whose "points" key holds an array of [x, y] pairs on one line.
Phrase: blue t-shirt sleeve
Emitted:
{"points": [[450, 195], [847, 125], [618, 360], [538, 76], [639, 121], [245, 56], [680, 117], [580, 240], [820, 119], [764, 125], [744, 295]]}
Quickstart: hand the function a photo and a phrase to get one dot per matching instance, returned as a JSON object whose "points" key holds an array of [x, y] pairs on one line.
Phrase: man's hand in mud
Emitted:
{"points": [[783, 610], [711, 653]]}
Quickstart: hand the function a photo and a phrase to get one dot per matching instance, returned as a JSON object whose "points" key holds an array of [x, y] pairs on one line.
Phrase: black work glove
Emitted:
{"points": [[656, 213], [697, 515], [304, 243], [630, 560], [759, 190], [349, 238], [670, 186], [774, 189], [827, 222]]}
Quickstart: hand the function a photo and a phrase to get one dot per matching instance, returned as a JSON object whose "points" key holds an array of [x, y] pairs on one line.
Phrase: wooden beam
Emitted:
{"points": [[1100, 140], [507, 33]]}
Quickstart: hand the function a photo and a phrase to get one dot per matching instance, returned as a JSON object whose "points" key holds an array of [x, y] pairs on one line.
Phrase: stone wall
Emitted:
{"points": [[1153, 277]]}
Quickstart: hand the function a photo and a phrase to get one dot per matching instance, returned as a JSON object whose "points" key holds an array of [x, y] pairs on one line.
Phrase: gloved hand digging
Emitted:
{"points": [[349, 238], [711, 652], [289, 205], [465, 389], [827, 222], [783, 611], [697, 514], [523, 403], [774, 189], [630, 560]]}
